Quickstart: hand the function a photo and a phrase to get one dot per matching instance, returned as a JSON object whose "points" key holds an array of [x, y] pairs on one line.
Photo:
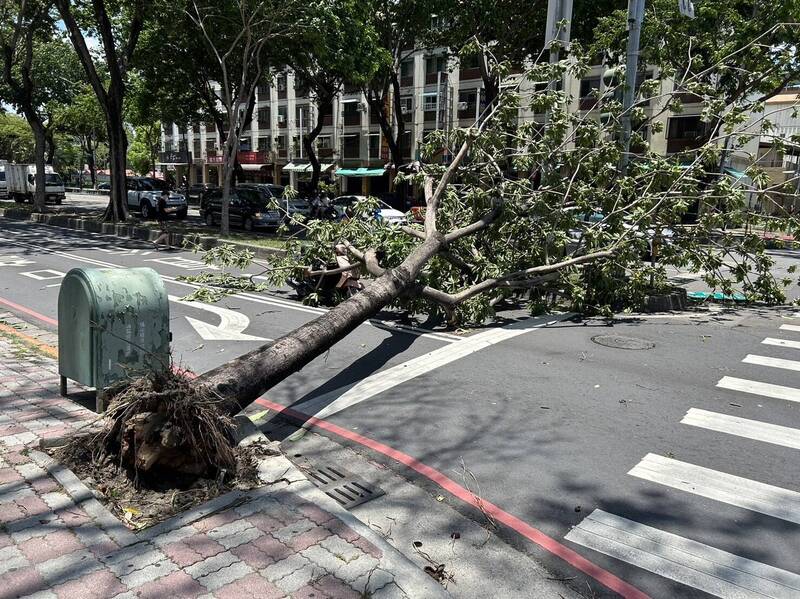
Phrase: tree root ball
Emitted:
{"points": [[167, 420]]}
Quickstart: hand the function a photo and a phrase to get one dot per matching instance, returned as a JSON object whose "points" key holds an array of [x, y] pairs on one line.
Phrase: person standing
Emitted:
{"points": [[162, 214]]}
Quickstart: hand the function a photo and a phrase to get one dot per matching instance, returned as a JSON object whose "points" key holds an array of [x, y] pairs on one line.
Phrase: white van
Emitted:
{"points": [[21, 183]]}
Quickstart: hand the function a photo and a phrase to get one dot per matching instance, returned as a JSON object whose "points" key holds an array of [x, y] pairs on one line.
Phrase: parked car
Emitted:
{"points": [[3, 184], [104, 186], [21, 183], [383, 213], [143, 194], [195, 192], [665, 235], [250, 208], [288, 207]]}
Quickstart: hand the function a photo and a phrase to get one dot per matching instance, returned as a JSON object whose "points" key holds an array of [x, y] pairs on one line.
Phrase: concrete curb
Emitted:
{"points": [[130, 231]]}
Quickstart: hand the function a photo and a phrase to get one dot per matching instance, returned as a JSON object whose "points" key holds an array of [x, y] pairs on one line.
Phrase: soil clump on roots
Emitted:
{"points": [[164, 446]]}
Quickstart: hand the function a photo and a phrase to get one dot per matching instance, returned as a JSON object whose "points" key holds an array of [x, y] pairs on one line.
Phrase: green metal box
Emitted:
{"points": [[112, 324]]}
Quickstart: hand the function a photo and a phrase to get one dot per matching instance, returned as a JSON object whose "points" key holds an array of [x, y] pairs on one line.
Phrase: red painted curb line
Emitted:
{"points": [[29, 312], [547, 543]]}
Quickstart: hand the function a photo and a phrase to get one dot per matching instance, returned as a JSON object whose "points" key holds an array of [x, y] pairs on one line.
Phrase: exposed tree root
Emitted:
{"points": [[164, 421]]}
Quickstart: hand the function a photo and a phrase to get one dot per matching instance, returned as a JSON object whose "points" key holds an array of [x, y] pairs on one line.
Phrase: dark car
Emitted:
{"points": [[250, 208], [288, 207], [104, 186], [196, 191]]}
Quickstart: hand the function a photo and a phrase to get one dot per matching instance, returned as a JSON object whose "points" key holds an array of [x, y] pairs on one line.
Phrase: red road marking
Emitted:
{"points": [[29, 312], [547, 543]]}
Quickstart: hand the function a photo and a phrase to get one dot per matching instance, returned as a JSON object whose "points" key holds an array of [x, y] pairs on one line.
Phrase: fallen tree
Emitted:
{"points": [[564, 218]]}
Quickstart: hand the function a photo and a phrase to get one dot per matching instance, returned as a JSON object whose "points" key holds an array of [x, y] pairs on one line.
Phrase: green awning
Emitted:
{"points": [[305, 167], [734, 173], [360, 172]]}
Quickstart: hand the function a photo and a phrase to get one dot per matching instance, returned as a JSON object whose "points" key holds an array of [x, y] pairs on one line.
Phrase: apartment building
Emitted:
{"points": [[437, 92]]}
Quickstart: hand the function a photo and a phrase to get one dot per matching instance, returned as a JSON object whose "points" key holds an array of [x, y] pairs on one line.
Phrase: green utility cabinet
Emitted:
{"points": [[112, 324]]}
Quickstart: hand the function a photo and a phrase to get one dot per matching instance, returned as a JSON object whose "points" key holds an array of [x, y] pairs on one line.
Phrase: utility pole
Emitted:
{"points": [[557, 37], [635, 18]]}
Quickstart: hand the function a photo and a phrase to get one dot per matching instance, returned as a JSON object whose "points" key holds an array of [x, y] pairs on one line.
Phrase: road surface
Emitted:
{"points": [[673, 468]]}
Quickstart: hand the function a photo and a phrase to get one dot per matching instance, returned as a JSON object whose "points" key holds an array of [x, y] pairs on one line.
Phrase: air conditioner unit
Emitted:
{"points": [[463, 105], [361, 107], [406, 109], [281, 119]]}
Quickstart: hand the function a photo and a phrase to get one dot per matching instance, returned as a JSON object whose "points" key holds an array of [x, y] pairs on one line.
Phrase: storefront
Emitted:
{"points": [[300, 172]]}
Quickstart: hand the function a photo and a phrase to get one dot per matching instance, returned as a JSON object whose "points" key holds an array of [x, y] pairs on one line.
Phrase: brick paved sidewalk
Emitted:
{"points": [[270, 543]]}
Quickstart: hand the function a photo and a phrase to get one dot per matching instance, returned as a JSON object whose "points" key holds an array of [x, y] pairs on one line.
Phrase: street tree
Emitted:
{"points": [[25, 27], [240, 38], [143, 150], [341, 48], [398, 26], [83, 119], [118, 26], [16, 138]]}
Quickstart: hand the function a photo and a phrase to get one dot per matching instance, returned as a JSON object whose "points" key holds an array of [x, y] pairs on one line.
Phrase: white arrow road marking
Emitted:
{"points": [[231, 324]]}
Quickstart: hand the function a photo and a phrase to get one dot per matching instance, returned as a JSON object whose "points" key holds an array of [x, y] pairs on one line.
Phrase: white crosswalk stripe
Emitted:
{"points": [[683, 560], [720, 486], [781, 342], [772, 362], [759, 388], [790, 327], [742, 427]]}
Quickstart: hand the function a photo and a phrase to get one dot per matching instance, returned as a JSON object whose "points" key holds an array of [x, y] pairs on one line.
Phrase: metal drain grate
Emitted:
{"points": [[347, 489]]}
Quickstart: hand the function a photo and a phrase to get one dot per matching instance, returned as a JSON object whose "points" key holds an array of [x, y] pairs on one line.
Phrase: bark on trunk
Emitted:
{"points": [[308, 144], [51, 146], [246, 378], [117, 152], [40, 141], [90, 149]]}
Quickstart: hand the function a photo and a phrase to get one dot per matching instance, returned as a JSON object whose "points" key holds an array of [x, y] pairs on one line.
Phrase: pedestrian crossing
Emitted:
{"points": [[688, 561]]}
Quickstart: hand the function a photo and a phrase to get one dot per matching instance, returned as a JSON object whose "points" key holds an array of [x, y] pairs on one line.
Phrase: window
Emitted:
{"points": [[407, 69], [589, 87], [429, 101], [435, 64], [351, 146], [407, 104], [211, 145], [302, 116], [467, 103], [324, 142], [470, 64], [263, 90], [264, 144], [283, 112], [264, 118], [688, 127], [280, 142], [374, 145]]}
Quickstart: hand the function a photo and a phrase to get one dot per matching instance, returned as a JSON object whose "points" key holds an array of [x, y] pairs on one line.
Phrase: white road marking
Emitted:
{"points": [[39, 276], [759, 388], [53, 285], [720, 486], [773, 362], [683, 560], [742, 427], [15, 260], [790, 327], [781, 342], [336, 401], [231, 327], [184, 263]]}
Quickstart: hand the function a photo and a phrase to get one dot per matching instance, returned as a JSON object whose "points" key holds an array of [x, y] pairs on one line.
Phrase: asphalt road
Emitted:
{"points": [[582, 441]]}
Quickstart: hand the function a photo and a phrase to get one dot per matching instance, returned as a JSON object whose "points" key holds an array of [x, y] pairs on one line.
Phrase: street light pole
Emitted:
{"points": [[635, 17]]}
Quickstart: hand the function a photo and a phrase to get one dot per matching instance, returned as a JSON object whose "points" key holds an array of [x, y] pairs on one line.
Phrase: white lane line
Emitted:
{"points": [[772, 362], [336, 401], [683, 560], [790, 327], [720, 486], [781, 342], [742, 427], [759, 388]]}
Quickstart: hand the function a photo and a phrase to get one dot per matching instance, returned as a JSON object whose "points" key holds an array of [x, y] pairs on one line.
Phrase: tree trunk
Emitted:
{"points": [[246, 378], [40, 141], [51, 145], [117, 209], [308, 144], [90, 150]]}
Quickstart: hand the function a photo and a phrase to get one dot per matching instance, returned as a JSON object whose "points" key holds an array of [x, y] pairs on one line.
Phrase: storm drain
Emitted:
{"points": [[621, 342], [347, 489]]}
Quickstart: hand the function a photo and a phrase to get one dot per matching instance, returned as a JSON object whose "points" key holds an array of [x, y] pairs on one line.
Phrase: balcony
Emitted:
{"points": [[407, 81], [587, 103], [471, 73], [352, 119], [675, 145]]}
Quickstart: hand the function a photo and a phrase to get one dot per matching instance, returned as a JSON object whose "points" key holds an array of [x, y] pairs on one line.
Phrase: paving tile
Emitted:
{"points": [[12, 558], [40, 549], [315, 514], [276, 550], [371, 581], [290, 531], [133, 558], [283, 568], [341, 548], [9, 475], [309, 538], [67, 567], [356, 568], [98, 585], [211, 564], [216, 520], [253, 556], [218, 579], [251, 586], [333, 587], [148, 573], [177, 584], [301, 577], [235, 533], [309, 592], [23, 581], [265, 522], [32, 505]]}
